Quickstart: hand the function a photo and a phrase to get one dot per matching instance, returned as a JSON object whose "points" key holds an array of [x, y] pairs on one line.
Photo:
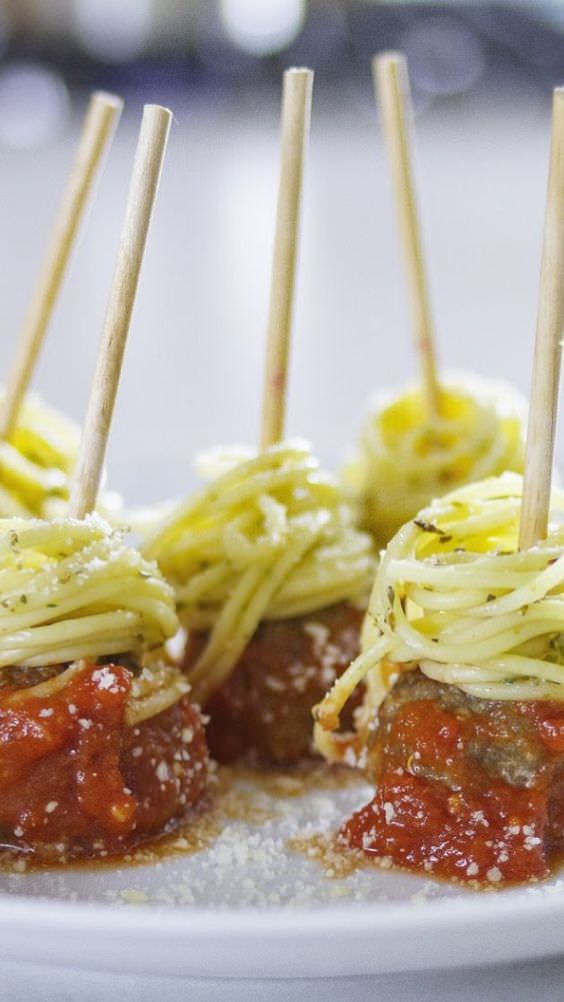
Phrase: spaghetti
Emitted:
{"points": [[35, 465], [269, 538], [72, 589], [455, 596], [95, 727], [270, 577], [405, 459]]}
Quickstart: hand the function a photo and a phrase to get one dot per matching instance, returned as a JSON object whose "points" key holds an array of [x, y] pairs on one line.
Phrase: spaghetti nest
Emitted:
{"points": [[455, 596], [73, 590], [269, 538], [405, 458], [35, 465]]}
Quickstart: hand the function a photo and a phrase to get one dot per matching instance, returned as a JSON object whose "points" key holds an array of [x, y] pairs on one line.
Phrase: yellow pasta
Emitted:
{"points": [[269, 538], [36, 466], [404, 459], [36, 463], [455, 597], [73, 590]]}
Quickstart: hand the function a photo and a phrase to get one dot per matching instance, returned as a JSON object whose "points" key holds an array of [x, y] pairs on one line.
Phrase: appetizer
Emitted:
{"points": [[99, 746], [270, 575], [463, 721], [462, 726], [271, 579]]}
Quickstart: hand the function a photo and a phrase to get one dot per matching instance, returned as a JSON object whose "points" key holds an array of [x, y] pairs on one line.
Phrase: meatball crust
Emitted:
{"points": [[466, 788], [502, 739]]}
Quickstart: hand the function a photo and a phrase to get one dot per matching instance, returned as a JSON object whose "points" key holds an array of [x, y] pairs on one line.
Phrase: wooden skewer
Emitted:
{"points": [[296, 110], [99, 126], [391, 82], [548, 347], [143, 187]]}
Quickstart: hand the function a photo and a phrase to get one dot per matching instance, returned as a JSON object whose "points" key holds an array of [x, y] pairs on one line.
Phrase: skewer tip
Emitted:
{"points": [[389, 59], [158, 117], [108, 100], [157, 109]]}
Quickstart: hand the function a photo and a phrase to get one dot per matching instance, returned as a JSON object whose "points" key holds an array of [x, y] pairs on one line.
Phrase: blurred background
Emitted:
{"points": [[482, 76]]}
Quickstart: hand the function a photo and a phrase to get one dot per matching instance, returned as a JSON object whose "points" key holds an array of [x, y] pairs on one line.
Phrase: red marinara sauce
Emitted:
{"points": [[467, 789], [76, 781]]}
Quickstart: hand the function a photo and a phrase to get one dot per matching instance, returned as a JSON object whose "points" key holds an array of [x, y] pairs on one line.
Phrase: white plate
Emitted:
{"points": [[247, 907]]}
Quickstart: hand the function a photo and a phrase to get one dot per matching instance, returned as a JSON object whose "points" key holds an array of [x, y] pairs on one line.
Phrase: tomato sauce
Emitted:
{"points": [[472, 791], [76, 781]]}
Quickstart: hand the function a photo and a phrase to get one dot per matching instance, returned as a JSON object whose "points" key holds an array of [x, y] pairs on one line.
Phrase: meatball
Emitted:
{"points": [[466, 788], [265, 705], [77, 781]]}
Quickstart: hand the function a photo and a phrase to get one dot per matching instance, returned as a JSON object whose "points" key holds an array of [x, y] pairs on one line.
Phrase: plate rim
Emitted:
{"points": [[373, 937]]}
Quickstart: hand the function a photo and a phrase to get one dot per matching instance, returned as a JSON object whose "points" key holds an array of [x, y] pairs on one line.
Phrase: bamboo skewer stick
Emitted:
{"points": [[99, 125], [143, 188], [391, 83], [296, 110], [548, 348]]}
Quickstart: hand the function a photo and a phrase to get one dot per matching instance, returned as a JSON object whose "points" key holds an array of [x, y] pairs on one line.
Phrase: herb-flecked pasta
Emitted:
{"points": [[455, 597], [404, 458], [269, 538], [72, 590]]}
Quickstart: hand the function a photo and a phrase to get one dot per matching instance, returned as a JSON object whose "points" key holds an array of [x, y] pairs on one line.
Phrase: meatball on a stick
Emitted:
{"points": [[270, 574], [99, 746], [463, 720]]}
